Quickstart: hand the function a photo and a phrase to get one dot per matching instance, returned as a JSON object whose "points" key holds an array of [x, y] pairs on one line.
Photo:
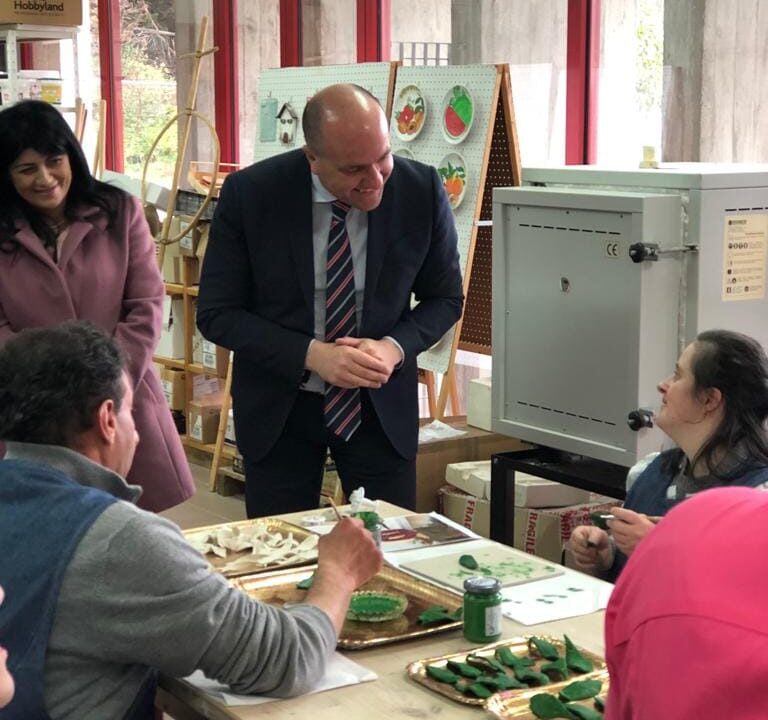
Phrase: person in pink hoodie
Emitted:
{"points": [[686, 631], [7, 686], [74, 248]]}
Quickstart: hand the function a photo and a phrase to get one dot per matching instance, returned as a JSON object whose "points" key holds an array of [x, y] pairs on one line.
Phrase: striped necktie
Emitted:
{"points": [[341, 408]]}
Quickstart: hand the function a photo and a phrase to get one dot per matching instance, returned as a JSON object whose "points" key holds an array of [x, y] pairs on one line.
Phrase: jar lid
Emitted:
{"points": [[482, 585]]}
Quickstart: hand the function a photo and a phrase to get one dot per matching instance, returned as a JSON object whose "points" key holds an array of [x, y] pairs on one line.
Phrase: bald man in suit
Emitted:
{"points": [[265, 294]]}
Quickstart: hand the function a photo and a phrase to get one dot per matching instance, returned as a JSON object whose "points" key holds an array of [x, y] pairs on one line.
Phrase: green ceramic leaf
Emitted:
{"points": [[557, 667], [580, 690], [485, 663], [600, 703], [504, 655], [582, 712], [501, 681], [371, 606], [463, 669], [575, 660], [546, 706], [531, 677], [306, 583], [545, 648], [468, 562], [441, 674], [477, 690]]}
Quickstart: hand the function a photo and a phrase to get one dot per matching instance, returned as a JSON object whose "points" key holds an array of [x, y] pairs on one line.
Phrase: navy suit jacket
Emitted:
{"points": [[257, 289]]}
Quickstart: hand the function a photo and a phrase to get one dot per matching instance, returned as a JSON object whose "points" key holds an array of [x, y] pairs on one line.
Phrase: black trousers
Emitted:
{"points": [[289, 478]]}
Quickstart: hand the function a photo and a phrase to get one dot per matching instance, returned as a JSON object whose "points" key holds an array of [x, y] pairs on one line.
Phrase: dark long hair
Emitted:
{"points": [[737, 366], [36, 125]]}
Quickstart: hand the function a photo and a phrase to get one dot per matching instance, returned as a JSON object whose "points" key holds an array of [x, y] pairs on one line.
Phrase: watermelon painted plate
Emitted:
{"points": [[458, 112]]}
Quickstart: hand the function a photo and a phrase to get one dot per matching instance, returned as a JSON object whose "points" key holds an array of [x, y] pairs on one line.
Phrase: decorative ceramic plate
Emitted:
{"points": [[453, 175], [458, 112], [409, 113], [405, 152]]}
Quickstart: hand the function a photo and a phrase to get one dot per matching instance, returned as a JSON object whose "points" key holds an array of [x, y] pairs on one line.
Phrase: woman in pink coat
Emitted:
{"points": [[72, 247]]}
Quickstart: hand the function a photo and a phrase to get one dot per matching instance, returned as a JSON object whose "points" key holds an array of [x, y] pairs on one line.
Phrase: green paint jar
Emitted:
{"points": [[482, 609]]}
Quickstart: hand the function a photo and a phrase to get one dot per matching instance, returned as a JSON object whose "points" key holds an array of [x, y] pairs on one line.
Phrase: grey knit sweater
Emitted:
{"points": [[136, 595]]}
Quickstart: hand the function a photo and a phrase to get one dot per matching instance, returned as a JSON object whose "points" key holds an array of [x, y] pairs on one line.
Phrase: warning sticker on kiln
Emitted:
{"points": [[744, 256]]}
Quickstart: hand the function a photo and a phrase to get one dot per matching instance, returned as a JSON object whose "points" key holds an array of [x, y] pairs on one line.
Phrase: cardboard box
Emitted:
{"points": [[215, 358], [172, 262], [197, 346], [188, 242], [203, 421], [541, 532], [434, 456], [206, 385], [202, 230], [171, 343], [530, 491], [172, 382], [229, 433], [479, 403], [466, 509], [544, 532], [63, 13]]}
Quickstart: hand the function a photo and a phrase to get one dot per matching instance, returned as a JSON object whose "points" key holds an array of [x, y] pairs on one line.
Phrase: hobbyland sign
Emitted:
{"points": [[63, 13]]}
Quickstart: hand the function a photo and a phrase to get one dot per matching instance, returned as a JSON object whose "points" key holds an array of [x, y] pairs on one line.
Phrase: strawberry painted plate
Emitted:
{"points": [[409, 113]]}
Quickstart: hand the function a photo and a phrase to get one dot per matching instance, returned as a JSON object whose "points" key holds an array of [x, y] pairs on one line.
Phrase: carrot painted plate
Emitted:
{"points": [[453, 175]]}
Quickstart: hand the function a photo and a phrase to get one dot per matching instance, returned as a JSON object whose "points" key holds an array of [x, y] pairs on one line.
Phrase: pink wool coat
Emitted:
{"points": [[110, 277]]}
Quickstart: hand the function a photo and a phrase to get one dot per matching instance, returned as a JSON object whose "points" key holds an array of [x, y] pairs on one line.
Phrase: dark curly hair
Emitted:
{"points": [[737, 366], [52, 380], [37, 125]]}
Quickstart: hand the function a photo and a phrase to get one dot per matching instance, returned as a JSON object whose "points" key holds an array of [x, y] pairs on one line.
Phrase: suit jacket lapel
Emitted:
{"points": [[296, 222], [379, 237]]}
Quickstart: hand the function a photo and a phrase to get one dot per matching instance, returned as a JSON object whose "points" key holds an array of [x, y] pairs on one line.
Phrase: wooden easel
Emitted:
{"points": [[501, 168], [185, 117]]}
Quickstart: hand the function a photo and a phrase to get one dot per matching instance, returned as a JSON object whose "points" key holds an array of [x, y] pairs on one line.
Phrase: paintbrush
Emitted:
{"points": [[335, 509], [601, 520]]}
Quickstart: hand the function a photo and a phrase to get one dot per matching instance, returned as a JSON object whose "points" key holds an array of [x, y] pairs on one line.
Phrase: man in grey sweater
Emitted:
{"points": [[100, 595]]}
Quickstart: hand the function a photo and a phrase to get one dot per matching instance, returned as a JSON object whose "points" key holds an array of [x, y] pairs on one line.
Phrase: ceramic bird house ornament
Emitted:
{"points": [[286, 124]]}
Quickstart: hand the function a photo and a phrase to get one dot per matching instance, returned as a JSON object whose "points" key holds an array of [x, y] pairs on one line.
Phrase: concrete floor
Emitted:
{"points": [[206, 507]]}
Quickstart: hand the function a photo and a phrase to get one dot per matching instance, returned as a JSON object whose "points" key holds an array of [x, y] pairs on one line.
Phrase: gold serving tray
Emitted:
{"points": [[273, 525], [280, 588], [516, 703], [510, 701]]}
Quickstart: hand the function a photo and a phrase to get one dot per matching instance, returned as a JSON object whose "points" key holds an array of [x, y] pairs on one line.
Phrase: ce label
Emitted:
{"points": [[612, 249]]}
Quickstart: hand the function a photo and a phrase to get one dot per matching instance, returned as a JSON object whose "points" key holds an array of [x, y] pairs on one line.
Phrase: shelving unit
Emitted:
{"points": [[12, 35], [188, 292]]}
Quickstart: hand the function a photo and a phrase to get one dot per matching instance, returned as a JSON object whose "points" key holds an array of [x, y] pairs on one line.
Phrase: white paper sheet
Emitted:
{"points": [[568, 595], [341, 671]]}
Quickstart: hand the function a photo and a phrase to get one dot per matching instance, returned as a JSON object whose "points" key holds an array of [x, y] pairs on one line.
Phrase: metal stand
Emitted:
{"points": [[574, 470]]}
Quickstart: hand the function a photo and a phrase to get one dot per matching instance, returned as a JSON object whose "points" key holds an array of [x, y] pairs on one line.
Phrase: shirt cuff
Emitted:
{"points": [[399, 347]]}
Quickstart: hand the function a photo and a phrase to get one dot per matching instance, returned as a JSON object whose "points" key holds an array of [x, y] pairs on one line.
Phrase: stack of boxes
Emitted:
{"points": [[546, 512]]}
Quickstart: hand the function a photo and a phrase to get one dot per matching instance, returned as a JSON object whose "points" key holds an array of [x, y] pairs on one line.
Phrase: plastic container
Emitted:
{"points": [[482, 609]]}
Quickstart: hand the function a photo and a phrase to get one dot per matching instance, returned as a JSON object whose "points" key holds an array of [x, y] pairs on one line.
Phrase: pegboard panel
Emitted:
{"points": [[282, 87], [431, 143], [475, 333]]}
